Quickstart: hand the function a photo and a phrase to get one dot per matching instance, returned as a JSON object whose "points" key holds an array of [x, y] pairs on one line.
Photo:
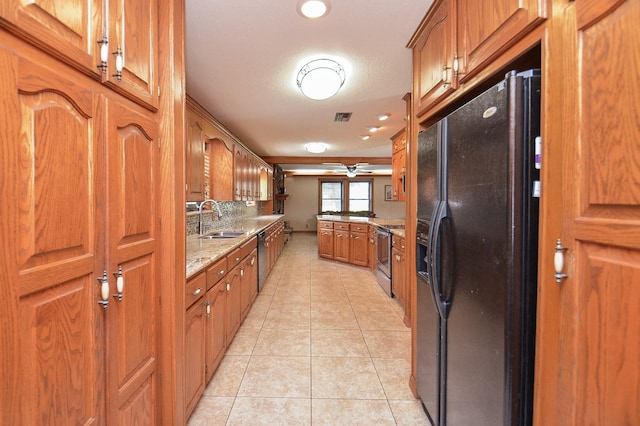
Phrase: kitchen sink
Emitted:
{"points": [[223, 234]]}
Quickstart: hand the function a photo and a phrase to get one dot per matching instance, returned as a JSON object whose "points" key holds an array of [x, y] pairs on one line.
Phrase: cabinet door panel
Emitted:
{"points": [[133, 27], [50, 168], [488, 27], [216, 343], [71, 28], [587, 367], [194, 351], [132, 222], [433, 57], [341, 245]]}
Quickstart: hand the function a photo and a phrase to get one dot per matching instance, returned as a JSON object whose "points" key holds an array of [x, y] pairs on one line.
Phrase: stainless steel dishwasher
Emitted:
{"points": [[262, 259]]}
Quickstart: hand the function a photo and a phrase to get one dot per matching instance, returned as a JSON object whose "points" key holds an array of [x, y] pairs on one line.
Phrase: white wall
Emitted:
{"points": [[301, 207]]}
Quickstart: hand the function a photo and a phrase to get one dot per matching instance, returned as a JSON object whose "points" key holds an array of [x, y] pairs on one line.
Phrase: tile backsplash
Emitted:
{"points": [[232, 213]]}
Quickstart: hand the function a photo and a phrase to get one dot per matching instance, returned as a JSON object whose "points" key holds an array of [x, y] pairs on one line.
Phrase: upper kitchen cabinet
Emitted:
{"points": [[398, 165], [220, 169], [459, 38], [115, 41], [194, 158], [71, 31], [433, 47], [132, 60], [219, 166], [487, 27]]}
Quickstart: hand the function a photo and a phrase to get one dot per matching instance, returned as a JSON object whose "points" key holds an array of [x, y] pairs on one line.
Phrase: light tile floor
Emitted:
{"points": [[322, 345]]}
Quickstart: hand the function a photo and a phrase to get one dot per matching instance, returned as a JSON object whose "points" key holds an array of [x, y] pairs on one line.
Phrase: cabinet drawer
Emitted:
{"points": [[216, 272], [233, 258], [359, 227], [341, 226], [195, 289], [397, 242], [323, 224], [248, 247]]}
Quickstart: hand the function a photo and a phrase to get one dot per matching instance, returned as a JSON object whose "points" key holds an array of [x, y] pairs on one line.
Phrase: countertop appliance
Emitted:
{"points": [[477, 232], [262, 259]]}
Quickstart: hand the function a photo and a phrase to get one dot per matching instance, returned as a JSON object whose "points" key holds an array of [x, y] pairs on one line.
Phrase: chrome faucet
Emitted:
{"points": [[213, 203]]}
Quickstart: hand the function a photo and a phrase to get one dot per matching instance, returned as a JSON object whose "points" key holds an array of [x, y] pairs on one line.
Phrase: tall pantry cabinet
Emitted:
{"points": [[79, 182]]}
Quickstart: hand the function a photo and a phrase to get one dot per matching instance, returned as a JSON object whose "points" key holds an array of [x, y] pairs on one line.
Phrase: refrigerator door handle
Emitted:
{"points": [[441, 215]]}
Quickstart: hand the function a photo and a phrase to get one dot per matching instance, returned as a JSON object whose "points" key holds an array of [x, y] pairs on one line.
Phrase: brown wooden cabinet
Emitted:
{"points": [[215, 340], [80, 184], [358, 244], [399, 285], [234, 173], [373, 247], [325, 239], [587, 368], [486, 28], [233, 307], [398, 165], [195, 157], [220, 169], [75, 33], [341, 237], [433, 52], [458, 38], [194, 341]]}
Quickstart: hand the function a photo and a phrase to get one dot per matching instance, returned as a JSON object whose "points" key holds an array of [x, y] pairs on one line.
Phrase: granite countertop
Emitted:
{"points": [[391, 224], [202, 252]]}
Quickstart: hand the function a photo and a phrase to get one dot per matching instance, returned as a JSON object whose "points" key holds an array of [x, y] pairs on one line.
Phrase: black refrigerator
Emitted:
{"points": [[476, 241]]}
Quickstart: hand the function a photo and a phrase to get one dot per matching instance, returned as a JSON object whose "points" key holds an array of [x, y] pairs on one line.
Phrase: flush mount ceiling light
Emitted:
{"points": [[316, 147], [384, 116], [320, 79], [313, 9]]}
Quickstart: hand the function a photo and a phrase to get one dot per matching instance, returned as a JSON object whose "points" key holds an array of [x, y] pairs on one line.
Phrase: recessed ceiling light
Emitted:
{"points": [[373, 129], [365, 137], [313, 9], [384, 116], [316, 147]]}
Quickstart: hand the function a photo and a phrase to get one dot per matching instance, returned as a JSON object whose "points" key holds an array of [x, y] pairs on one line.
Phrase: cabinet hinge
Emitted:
{"points": [[158, 91], [159, 142]]}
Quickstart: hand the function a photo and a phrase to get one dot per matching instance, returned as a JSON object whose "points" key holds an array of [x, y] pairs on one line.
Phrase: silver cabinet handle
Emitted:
{"points": [[104, 290], [119, 284], [558, 261], [197, 292]]}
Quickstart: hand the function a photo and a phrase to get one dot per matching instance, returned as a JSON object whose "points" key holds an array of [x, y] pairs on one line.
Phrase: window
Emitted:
{"points": [[342, 195]]}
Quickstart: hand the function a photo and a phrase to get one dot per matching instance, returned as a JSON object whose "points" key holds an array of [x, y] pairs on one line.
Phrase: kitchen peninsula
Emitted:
{"points": [[376, 243]]}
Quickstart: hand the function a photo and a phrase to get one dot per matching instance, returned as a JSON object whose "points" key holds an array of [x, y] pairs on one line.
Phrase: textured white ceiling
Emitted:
{"points": [[242, 57]]}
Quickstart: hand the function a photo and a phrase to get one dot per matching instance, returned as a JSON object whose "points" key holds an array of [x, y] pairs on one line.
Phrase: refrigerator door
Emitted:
{"points": [[475, 285], [428, 324]]}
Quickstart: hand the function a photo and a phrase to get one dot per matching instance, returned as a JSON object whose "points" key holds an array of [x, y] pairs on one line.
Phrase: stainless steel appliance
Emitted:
{"points": [[262, 259], [383, 256], [476, 248]]}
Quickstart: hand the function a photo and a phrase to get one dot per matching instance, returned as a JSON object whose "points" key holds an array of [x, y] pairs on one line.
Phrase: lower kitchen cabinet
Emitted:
{"points": [[194, 342], [325, 239], [215, 339], [373, 247], [233, 307], [249, 282], [217, 302], [358, 244], [399, 281], [341, 241]]}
